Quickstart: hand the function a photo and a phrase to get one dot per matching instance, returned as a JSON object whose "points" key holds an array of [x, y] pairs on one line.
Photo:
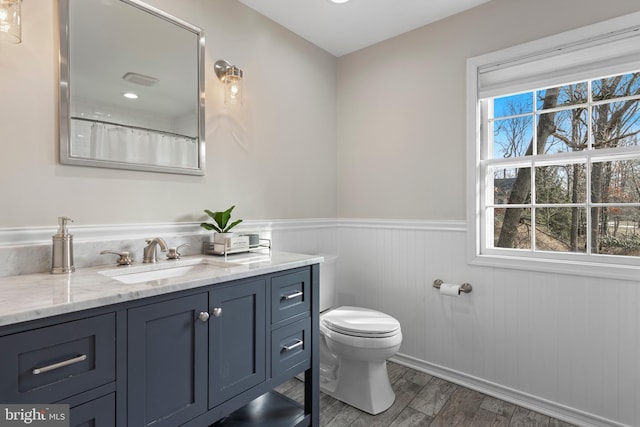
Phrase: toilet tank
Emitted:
{"points": [[327, 281]]}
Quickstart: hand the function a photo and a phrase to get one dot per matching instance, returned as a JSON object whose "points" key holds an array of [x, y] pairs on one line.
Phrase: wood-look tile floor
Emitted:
{"points": [[426, 401]]}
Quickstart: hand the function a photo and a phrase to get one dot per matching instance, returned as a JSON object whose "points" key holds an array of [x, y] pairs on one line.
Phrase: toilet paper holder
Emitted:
{"points": [[465, 287]]}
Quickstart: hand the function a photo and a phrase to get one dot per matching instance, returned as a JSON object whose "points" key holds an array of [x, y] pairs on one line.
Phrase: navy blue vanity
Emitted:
{"points": [[191, 350]]}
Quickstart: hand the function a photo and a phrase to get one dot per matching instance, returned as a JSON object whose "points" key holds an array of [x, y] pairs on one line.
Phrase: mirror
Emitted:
{"points": [[131, 88]]}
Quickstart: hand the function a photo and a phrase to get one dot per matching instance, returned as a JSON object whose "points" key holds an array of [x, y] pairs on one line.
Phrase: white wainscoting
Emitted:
{"points": [[564, 345]]}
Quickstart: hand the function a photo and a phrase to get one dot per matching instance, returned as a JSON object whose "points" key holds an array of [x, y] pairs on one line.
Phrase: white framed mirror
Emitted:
{"points": [[131, 88]]}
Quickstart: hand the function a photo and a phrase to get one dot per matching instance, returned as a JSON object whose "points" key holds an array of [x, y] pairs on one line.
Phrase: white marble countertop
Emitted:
{"points": [[33, 296]]}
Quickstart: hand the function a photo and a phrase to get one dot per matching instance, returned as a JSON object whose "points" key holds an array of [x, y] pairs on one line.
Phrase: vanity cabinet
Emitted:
{"points": [[206, 356]]}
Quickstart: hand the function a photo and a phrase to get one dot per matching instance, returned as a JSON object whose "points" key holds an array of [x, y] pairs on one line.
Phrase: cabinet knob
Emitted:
{"points": [[217, 311], [204, 316]]}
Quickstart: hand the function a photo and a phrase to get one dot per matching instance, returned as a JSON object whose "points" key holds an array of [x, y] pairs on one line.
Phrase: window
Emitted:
{"points": [[563, 168], [555, 127]]}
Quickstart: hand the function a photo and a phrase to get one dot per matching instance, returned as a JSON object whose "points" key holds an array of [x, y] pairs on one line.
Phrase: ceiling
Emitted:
{"points": [[344, 28]]}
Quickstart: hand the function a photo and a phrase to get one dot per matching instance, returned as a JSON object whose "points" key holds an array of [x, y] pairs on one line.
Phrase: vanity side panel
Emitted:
{"points": [[312, 375]]}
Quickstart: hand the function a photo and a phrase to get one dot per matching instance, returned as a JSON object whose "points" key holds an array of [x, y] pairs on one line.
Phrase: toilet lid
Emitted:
{"points": [[361, 322]]}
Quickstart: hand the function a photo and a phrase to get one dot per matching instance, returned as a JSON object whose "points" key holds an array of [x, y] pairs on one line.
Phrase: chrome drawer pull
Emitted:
{"points": [[62, 364], [298, 343], [293, 295]]}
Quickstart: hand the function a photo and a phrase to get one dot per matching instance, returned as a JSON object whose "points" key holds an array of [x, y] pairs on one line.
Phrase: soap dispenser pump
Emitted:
{"points": [[62, 257]]}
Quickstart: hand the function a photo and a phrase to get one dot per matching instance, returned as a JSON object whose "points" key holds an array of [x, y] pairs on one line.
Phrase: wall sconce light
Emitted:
{"points": [[10, 21], [231, 76]]}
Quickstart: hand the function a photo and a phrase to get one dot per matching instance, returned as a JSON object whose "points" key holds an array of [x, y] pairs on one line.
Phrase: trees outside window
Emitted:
{"points": [[563, 168]]}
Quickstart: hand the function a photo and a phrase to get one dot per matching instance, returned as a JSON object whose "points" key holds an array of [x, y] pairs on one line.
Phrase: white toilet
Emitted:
{"points": [[355, 344]]}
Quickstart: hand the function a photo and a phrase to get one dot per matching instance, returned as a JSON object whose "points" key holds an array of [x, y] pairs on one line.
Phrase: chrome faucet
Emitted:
{"points": [[149, 253]]}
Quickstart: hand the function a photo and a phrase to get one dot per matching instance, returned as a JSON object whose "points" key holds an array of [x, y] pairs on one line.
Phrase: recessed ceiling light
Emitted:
{"points": [[338, 1], [130, 95]]}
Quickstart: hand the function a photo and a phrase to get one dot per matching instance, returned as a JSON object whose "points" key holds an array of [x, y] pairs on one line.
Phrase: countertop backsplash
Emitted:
{"points": [[29, 250], [36, 258]]}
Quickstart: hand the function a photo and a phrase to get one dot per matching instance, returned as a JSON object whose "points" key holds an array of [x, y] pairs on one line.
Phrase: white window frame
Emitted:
{"points": [[599, 50]]}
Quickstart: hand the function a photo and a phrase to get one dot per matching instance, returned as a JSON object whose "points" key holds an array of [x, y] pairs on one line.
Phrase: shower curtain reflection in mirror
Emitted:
{"points": [[122, 144]]}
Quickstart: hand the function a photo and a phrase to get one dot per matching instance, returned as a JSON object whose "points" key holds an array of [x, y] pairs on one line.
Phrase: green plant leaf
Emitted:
{"points": [[233, 224], [210, 227], [221, 220]]}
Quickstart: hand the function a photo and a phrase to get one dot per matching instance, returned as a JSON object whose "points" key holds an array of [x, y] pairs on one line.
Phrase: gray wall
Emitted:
{"points": [[274, 158], [401, 105]]}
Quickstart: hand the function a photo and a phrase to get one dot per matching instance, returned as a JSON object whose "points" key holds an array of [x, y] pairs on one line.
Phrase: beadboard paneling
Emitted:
{"points": [[563, 344]]}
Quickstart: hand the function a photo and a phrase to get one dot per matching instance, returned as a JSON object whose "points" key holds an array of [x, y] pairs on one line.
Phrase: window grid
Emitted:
{"points": [[587, 157]]}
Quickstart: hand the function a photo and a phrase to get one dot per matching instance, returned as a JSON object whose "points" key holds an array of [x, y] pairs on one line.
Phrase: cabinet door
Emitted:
{"points": [[237, 331], [167, 356]]}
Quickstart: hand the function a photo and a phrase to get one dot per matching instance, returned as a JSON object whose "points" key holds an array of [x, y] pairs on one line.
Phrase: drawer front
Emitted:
{"points": [[52, 363], [291, 347], [290, 295], [100, 412]]}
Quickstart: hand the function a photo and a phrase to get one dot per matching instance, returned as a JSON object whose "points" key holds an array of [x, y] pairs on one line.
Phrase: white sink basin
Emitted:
{"points": [[163, 270]]}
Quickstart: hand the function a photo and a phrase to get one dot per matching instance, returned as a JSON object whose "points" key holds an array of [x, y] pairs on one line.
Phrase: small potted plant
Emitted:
{"points": [[221, 224]]}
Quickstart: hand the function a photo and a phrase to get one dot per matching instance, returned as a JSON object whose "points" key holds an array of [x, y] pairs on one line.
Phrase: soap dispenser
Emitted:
{"points": [[62, 257]]}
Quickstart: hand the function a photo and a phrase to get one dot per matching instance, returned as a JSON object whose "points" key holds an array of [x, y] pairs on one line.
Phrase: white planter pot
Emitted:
{"points": [[222, 237]]}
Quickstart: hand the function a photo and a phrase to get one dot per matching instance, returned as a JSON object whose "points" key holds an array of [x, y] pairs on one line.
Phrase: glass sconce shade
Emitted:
{"points": [[10, 21], [233, 86], [231, 76]]}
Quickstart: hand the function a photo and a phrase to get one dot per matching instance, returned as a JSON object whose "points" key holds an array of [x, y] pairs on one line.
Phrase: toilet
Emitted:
{"points": [[355, 344]]}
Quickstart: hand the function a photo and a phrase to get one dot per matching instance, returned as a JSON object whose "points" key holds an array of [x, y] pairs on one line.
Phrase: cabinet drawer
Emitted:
{"points": [[52, 363], [291, 346], [100, 412], [290, 295]]}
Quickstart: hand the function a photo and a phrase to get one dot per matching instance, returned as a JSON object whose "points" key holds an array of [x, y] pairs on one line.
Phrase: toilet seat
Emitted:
{"points": [[360, 322]]}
